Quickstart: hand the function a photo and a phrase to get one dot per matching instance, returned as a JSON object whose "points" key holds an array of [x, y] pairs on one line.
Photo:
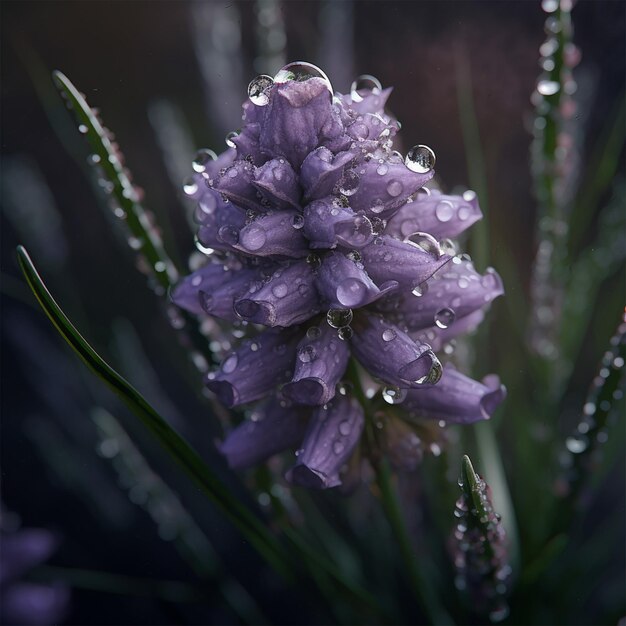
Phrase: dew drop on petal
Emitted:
{"points": [[420, 289], [190, 187], [344, 427], [314, 332], [350, 292], [297, 221], [259, 90], [338, 447], [424, 242], [301, 71], [230, 364], [389, 334], [337, 318], [229, 138], [307, 354], [363, 82], [201, 159], [344, 333], [280, 290], [444, 211], [349, 183], [420, 159], [393, 395], [394, 188], [444, 317]]}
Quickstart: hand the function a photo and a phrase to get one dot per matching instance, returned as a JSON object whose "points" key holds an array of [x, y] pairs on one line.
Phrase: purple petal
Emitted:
{"points": [[274, 429], [300, 117], [220, 302], [321, 170], [354, 233], [322, 218], [208, 278], [255, 368], [452, 293], [389, 259], [333, 433], [235, 183], [287, 298], [278, 184], [321, 362], [277, 233], [456, 398], [220, 222], [372, 101], [391, 355], [384, 187], [345, 284], [247, 143], [439, 215]]}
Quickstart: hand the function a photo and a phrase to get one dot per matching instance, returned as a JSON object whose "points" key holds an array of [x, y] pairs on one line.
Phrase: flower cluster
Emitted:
{"points": [[318, 230]]}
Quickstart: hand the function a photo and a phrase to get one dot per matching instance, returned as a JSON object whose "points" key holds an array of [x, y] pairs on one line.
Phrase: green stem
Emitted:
{"points": [[420, 584]]}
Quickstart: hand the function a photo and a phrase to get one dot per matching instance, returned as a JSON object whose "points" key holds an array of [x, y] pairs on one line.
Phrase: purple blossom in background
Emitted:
{"points": [[23, 602], [316, 228]]}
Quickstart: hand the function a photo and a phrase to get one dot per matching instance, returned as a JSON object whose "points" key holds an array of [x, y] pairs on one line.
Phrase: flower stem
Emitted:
{"points": [[420, 584]]}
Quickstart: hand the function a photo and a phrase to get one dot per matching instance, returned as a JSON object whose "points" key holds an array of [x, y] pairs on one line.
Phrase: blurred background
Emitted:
{"points": [[169, 78]]}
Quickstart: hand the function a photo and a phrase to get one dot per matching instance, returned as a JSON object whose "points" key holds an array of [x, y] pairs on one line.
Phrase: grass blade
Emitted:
{"points": [[250, 526]]}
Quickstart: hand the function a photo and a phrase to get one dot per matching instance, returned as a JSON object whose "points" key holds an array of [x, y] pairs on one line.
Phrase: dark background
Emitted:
{"points": [[125, 56]]}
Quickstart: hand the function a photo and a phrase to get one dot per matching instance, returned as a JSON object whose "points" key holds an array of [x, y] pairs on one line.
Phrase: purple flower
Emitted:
{"points": [[317, 229]]}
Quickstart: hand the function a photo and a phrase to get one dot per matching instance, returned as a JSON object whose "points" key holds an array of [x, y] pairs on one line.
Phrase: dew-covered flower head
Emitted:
{"points": [[325, 246]]}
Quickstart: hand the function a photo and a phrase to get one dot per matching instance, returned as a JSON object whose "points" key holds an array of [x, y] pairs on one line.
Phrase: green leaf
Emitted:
{"points": [[247, 522]]}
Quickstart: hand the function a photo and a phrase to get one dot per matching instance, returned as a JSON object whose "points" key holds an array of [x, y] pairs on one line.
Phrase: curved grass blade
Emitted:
{"points": [[480, 547], [250, 526]]}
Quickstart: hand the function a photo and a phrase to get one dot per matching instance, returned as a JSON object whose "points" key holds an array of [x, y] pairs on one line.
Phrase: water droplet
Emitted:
{"points": [[280, 290], [338, 318], [393, 395], [307, 354], [444, 317], [469, 195], [201, 159], [314, 332], [190, 187], [338, 447], [230, 364], [344, 333], [301, 71], [344, 427], [228, 234], [420, 159], [389, 334], [548, 87], [447, 247], [382, 169], [377, 206], [313, 260], [350, 292], [229, 138], [259, 90], [297, 221], [354, 255], [394, 188], [444, 211], [424, 242], [364, 82], [82, 129], [549, 6], [420, 290], [160, 266], [349, 183]]}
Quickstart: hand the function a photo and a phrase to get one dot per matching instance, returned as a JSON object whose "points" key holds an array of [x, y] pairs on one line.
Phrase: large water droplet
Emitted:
{"points": [[362, 83], [444, 317], [253, 237], [259, 90], [301, 71], [350, 292], [338, 318], [444, 211], [420, 159], [201, 159], [424, 242]]}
